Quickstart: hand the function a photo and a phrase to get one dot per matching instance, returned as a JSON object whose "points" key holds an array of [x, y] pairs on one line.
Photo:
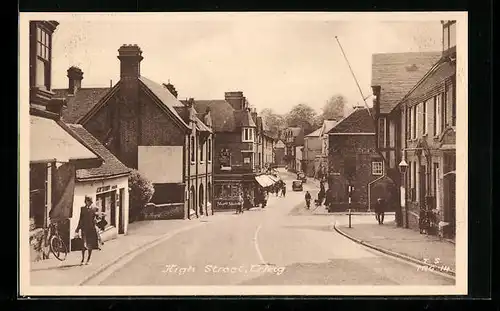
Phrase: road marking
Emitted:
{"points": [[256, 244]]}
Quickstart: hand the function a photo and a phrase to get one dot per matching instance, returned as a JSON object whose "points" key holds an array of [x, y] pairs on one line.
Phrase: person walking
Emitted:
{"points": [[283, 190], [86, 229], [379, 210], [239, 207], [308, 199]]}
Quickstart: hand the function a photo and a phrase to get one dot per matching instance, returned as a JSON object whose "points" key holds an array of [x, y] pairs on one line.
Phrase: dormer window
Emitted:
{"points": [[248, 134]]}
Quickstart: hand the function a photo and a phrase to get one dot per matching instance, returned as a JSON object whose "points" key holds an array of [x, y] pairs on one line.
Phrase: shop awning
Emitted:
{"points": [[270, 179], [49, 142], [263, 181], [273, 178]]}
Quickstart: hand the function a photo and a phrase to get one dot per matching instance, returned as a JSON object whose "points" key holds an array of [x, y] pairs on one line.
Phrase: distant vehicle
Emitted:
{"points": [[297, 185], [301, 176]]}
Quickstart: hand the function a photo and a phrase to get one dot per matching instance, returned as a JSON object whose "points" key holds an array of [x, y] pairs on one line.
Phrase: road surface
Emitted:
{"points": [[273, 246]]}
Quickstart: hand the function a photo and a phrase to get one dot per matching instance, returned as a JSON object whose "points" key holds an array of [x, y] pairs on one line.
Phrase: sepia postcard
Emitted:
{"points": [[243, 154]]}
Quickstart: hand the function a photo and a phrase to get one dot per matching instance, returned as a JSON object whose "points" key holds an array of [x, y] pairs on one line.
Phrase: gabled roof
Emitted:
{"points": [[327, 126], [316, 133], [441, 71], [111, 167], [358, 121], [397, 73], [79, 104], [280, 144], [166, 98], [243, 118], [224, 117], [221, 111]]}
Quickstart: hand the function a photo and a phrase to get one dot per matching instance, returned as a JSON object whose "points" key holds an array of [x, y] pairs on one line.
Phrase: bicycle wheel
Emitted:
{"points": [[58, 248]]}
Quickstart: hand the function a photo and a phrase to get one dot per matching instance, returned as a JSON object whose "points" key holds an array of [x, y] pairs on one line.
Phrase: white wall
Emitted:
{"points": [[90, 188], [161, 164]]}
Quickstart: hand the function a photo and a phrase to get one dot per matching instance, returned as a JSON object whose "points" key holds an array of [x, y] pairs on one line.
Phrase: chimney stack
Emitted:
{"points": [[75, 77], [130, 56], [235, 99]]}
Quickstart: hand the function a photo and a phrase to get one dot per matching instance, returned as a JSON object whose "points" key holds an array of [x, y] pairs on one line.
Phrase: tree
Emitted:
{"points": [[274, 122], [302, 115], [334, 108], [141, 190]]}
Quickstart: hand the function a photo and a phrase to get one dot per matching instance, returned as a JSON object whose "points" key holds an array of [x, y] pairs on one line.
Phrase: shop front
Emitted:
{"points": [[228, 189], [55, 155]]}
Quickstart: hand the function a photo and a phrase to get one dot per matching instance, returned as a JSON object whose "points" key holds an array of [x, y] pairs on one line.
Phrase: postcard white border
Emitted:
{"points": [[460, 288]]}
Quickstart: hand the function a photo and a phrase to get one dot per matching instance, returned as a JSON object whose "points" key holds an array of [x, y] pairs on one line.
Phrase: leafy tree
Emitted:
{"points": [[275, 122], [334, 108], [141, 190], [302, 115]]}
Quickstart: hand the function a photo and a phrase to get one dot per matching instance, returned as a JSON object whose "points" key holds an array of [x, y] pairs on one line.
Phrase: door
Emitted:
{"points": [[121, 221], [422, 185]]}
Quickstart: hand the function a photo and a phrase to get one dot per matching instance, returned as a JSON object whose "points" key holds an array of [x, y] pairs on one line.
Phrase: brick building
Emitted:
{"points": [[321, 160], [427, 131], [352, 160], [237, 156], [293, 137], [56, 153], [312, 148], [279, 153], [147, 128]]}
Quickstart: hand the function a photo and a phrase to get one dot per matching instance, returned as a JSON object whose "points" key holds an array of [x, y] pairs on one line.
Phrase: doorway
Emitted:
{"points": [[121, 220], [201, 199]]}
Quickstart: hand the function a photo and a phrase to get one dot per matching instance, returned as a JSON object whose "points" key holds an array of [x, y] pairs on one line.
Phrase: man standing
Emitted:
{"points": [[379, 210]]}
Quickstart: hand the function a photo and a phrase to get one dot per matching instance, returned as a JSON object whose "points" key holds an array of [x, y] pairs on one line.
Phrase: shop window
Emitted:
{"points": [[106, 204]]}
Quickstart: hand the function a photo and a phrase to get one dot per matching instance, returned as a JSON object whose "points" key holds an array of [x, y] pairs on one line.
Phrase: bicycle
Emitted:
{"points": [[56, 243]]}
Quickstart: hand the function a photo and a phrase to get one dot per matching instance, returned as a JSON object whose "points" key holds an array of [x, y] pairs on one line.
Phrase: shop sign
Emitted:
{"points": [[106, 188]]}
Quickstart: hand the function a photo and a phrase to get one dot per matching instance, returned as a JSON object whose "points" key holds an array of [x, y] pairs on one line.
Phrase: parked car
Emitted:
{"points": [[301, 176], [297, 185]]}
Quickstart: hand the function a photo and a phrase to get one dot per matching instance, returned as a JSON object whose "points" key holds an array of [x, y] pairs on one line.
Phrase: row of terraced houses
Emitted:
{"points": [[199, 154], [402, 149]]}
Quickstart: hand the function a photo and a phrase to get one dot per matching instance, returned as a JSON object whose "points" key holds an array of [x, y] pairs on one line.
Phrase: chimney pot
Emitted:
{"points": [[75, 77], [130, 57]]}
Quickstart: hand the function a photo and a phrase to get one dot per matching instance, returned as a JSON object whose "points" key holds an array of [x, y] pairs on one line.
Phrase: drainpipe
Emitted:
{"points": [[369, 190]]}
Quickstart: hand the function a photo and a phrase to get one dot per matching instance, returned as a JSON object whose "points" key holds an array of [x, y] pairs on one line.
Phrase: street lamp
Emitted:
{"points": [[402, 168]]}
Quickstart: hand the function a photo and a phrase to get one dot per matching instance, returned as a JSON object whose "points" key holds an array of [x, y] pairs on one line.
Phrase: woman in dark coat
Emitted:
{"points": [[87, 228]]}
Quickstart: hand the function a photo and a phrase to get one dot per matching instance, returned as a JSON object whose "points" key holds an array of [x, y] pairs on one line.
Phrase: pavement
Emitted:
{"points": [[404, 243], [278, 245]]}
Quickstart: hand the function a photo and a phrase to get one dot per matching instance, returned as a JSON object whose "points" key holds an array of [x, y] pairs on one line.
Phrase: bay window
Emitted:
{"points": [[248, 134], [43, 53]]}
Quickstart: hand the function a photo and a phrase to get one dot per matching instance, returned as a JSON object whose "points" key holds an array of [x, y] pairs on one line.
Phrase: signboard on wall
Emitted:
{"points": [[161, 164]]}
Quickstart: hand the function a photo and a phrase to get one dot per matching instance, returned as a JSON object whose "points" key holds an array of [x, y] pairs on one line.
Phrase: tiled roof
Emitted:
{"points": [[316, 133], [111, 165], [79, 104], [243, 118], [358, 121], [438, 74], [221, 112], [164, 95], [397, 73]]}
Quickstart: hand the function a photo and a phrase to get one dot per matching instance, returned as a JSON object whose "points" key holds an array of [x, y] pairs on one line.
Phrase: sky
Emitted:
{"points": [[276, 62]]}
